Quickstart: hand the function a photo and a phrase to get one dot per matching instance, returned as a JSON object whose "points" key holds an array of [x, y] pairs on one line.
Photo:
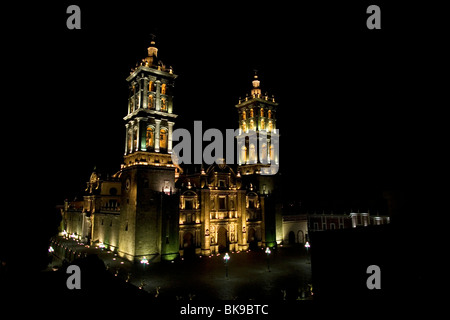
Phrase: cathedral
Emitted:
{"points": [[154, 208]]}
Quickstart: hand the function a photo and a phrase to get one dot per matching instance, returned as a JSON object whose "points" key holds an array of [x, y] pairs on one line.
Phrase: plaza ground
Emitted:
{"points": [[204, 278]]}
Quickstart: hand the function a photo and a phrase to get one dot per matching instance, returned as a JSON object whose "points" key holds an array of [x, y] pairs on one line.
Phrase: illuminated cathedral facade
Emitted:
{"points": [[152, 208]]}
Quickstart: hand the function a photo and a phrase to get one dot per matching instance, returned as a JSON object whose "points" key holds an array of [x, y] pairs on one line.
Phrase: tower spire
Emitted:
{"points": [[152, 50], [256, 91]]}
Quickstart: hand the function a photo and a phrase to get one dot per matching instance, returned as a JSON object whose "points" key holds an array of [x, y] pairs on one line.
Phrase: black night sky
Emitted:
{"points": [[346, 94], [340, 88]]}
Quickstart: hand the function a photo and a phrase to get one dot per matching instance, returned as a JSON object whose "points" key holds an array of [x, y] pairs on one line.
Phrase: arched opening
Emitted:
{"points": [[135, 144], [130, 141], [163, 104], [272, 153], [188, 245], [252, 153], [244, 126], [243, 154], [163, 139], [291, 237], [252, 241], [149, 138], [263, 154], [300, 237], [150, 102], [222, 239]]}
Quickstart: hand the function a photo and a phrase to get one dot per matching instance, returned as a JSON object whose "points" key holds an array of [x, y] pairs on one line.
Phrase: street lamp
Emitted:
{"points": [[268, 252], [226, 258], [144, 261], [307, 246]]}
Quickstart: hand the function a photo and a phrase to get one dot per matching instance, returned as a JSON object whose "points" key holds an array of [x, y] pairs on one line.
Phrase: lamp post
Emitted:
{"points": [[268, 252], [144, 261], [307, 246], [226, 258]]}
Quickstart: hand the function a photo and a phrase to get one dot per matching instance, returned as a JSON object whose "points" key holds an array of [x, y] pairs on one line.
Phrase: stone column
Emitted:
{"points": [[138, 138], [126, 138], [158, 95], [157, 132], [132, 136], [145, 93], [169, 137]]}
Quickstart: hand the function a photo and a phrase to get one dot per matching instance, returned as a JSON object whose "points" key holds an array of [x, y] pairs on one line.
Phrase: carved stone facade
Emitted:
{"points": [[217, 213]]}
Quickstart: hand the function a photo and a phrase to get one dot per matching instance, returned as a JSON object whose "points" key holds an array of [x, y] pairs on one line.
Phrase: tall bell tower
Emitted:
{"points": [[148, 215]]}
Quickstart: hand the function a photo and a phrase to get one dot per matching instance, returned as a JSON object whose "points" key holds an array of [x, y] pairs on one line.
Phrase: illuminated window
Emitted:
{"points": [[150, 102], [252, 126], [163, 104], [243, 154], [270, 126], [264, 153], [163, 88], [269, 114], [151, 86], [244, 115], [252, 153], [263, 124], [251, 113], [244, 126], [262, 112], [163, 139], [149, 138]]}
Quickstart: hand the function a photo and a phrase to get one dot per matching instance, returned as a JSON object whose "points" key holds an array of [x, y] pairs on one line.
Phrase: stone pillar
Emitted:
{"points": [[206, 230], [138, 138], [158, 96], [126, 138], [145, 93], [157, 132], [132, 136]]}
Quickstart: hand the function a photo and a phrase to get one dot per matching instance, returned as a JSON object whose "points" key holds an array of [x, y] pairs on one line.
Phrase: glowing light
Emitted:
{"points": [[144, 261], [101, 245], [307, 245], [267, 250], [50, 249], [227, 257]]}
